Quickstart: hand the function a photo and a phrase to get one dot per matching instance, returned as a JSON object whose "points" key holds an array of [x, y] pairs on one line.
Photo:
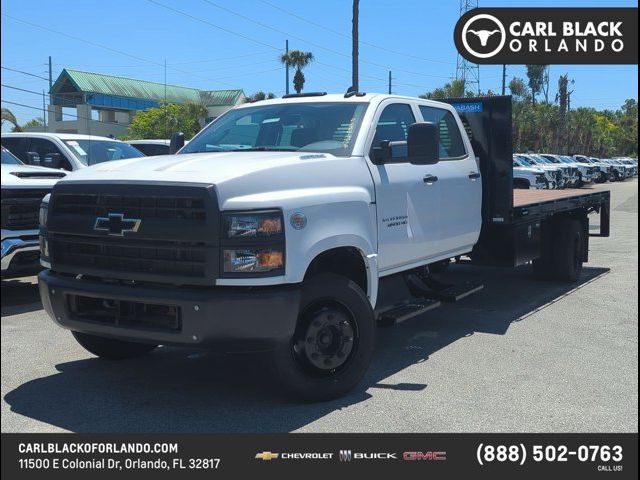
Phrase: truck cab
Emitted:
{"points": [[66, 151], [277, 226]]}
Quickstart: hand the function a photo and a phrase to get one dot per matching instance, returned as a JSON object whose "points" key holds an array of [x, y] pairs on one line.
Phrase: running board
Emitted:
{"points": [[430, 288], [406, 310]]}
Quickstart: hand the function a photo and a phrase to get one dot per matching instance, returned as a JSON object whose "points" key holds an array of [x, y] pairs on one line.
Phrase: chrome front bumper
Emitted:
{"points": [[15, 243]]}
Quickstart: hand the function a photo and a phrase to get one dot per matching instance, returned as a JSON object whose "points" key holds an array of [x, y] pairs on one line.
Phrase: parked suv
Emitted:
{"points": [[604, 170], [66, 151], [561, 173], [584, 172], [23, 188]]}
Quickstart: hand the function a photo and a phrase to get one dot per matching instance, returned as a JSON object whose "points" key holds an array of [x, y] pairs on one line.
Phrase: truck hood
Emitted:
{"points": [[239, 174], [28, 176], [532, 170]]}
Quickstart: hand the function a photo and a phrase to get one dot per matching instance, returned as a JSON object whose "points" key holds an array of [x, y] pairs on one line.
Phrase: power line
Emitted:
{"points": [[344, 35], [25, 73], [160, 64]]}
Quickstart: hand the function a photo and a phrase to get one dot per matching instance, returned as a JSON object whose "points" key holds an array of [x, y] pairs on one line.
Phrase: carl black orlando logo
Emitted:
{"points": [[483, 35], [548, 36]]}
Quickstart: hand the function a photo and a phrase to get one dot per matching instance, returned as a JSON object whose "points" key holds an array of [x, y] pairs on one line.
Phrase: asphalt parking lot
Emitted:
{"points": [[521, 355]]}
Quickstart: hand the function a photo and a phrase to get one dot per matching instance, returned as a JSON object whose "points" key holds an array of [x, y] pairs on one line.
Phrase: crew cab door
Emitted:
{"points": [[460, 185], [407, 196]]}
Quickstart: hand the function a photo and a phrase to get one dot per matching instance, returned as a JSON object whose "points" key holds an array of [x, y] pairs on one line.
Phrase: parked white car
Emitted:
{"points": [[66, 151], [526, 176], [585, 172], [23, 188], [604, 170], [559, 173]]}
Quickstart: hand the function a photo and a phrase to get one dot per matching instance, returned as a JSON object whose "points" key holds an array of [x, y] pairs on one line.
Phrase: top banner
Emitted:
{"points": [[548, 36]]}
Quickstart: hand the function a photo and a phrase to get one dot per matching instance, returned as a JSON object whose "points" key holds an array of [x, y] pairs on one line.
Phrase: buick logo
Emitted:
{"points": [[345, 455], [483, 35], [116, 224]]}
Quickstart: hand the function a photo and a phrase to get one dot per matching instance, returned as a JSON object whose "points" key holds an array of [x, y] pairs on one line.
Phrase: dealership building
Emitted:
{"points": [[105, 104]]}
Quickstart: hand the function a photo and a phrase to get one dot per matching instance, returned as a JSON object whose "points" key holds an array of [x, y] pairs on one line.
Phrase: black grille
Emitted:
{"points": [[20, 208], [151, 258], [125, 313], [176, 239], [185, 208]]}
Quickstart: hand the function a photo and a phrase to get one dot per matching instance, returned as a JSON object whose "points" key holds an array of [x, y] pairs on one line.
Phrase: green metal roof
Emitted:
{"points": [[90, 82]]}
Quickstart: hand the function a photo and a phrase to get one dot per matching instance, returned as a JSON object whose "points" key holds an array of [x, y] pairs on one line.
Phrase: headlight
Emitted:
{"points": [[253, 260], [253, 225], [43, 214]]}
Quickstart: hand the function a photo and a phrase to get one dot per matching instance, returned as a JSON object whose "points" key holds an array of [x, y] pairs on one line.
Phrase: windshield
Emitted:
{"points": [[313, 127], [91, 152], [8, 158], [522, 161]]}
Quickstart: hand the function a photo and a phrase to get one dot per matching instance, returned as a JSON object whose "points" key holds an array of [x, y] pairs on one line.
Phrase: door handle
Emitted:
{"points": [[474, 175], [429, 179]]}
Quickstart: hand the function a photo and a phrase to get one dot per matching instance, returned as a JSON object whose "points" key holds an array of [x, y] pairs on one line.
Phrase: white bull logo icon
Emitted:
{"points": [[483, 35]]}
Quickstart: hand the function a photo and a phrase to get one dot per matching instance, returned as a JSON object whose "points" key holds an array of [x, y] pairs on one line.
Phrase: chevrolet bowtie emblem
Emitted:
{"points": [[266, 455], [116, 224]]}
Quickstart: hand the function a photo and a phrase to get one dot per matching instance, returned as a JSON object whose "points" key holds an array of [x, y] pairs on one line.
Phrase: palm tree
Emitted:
{"points": [[8, 116], [299, 60]]}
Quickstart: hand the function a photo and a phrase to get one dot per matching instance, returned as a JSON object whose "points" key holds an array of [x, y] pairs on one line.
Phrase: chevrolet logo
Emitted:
{"points": [[266, 456], [116, 224]]}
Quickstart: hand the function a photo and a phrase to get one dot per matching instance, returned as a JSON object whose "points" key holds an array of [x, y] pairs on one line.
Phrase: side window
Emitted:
{"points": [[451, 143], [43, 147], [16, 146], [393, 123]]}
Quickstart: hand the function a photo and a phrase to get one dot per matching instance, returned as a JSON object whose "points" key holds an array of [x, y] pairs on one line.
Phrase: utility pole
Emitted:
{"points": [[44, 109], [166, 115], [504, 79], [354, 46], [389, 82], [286, 67], [50, 74]]}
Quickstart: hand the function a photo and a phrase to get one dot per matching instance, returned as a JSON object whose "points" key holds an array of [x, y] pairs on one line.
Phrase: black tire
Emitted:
{"points": [[110, 348], [521, 184], [568, 250], [299, 364]]}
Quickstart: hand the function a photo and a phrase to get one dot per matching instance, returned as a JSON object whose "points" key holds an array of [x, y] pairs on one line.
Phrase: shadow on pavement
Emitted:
{"points": [[20, 296], [184, 390]]}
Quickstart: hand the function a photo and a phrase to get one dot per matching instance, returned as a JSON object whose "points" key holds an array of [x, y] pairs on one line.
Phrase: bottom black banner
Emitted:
{"points": [[185, 456]]}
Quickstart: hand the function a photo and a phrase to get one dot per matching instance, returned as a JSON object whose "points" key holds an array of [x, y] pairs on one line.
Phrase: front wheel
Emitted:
{"points": [[110, 348], [333, 343]]}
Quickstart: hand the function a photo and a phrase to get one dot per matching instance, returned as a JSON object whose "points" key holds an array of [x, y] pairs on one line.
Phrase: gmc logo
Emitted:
{"points": [[414, 456]]}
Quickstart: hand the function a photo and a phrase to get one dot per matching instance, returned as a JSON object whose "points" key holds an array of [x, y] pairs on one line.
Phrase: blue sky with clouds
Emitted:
{"points": [[217, 44]]}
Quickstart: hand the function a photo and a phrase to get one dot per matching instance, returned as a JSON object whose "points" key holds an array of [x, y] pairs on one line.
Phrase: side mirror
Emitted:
{"points": [[423, 143], [176, 143], [33, 158], [52, 160]]}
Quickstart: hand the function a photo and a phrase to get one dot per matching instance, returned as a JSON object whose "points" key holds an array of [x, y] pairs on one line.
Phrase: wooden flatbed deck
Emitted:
{"points": [[522, 197], [535, 205]]}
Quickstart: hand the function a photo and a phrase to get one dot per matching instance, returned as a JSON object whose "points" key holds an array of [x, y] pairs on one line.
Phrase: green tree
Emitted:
{"points": [[260, 95], [34, 122], [298, 60], [536, 76], [160, 122], [8, 116], [455, 88], [519, 89]]}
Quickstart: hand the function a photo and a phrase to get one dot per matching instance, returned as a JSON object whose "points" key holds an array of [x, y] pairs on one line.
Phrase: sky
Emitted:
{"points": [[220, 44]]}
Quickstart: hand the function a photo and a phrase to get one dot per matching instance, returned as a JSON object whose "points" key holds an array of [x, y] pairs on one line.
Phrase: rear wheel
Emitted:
{"points": [[110, 348], [520, 184], [568, 251], [333, 342]]}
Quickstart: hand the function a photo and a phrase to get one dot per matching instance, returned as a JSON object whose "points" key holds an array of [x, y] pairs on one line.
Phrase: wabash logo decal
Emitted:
{"points": [[548, 35]]}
